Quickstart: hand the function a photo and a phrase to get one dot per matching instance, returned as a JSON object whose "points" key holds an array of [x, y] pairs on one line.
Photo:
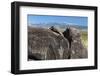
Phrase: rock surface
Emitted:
{"points": [[46, 44], [77, 50], [43, 44]]}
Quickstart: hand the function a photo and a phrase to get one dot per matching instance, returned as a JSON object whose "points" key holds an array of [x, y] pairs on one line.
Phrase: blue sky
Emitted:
{"points": [[36, 19]]}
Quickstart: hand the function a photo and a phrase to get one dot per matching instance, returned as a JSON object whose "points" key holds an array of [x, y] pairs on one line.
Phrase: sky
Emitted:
{"points": [[76, 20]]}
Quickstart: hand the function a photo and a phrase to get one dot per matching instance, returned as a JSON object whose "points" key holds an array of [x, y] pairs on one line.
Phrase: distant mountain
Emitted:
{"points": [[58, 25]]}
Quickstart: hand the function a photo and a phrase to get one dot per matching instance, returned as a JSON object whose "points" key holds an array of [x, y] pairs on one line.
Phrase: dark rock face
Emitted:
{"points": [[77, 50], [43, 44]]}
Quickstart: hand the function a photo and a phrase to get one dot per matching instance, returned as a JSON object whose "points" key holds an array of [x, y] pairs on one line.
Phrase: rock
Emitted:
{"points": [[44, 44], [55, 30], [50, 44], [77, 50]]}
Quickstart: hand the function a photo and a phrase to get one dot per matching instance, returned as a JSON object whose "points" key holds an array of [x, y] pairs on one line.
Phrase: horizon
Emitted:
{"points": [[47, 19]]}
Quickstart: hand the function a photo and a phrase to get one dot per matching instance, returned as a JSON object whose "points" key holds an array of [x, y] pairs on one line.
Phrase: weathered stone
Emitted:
{"points": [[77, 50], [50, 44], [43, 44]]}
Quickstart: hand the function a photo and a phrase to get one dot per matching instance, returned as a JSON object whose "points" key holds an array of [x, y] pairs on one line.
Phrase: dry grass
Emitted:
{"points": [[84, 37]]}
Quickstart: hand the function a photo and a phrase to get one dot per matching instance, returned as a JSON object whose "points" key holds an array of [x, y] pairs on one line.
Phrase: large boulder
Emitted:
{"points": [[77, 50], [44, 44]]}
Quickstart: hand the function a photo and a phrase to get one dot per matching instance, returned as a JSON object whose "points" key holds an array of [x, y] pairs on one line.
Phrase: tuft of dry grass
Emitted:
{"points": [[84, 38]]}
